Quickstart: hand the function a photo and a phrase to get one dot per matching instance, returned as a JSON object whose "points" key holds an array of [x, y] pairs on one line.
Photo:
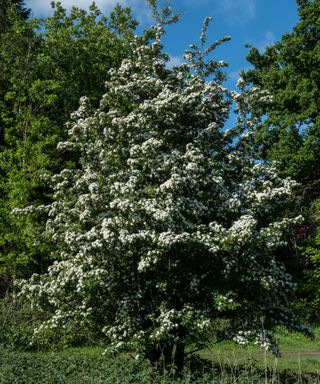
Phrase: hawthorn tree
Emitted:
{"points": [[168, 230]]}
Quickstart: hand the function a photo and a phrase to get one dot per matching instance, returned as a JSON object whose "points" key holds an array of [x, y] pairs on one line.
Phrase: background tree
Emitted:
{"points": [[289, 70], [290, 131], [16, 39], [168, 233], [309, 247], [9, 8], [46, 66]]}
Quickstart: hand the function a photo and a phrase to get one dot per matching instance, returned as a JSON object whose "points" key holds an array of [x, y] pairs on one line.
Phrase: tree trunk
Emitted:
{"points": [[154, 354], [169, 355], [178, 359]]}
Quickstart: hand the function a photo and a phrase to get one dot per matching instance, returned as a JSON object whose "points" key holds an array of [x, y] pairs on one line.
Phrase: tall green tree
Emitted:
{"points": [[46, 66], [290, 71], [11, 13], [9, 9], [309, 246], [289, 133]]}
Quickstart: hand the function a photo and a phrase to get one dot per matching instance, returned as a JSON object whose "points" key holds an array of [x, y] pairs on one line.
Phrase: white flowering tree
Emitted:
{"points": [[168, 231]]}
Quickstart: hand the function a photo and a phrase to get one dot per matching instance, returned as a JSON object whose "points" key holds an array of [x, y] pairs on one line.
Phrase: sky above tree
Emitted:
{"points": [[255, 22]]}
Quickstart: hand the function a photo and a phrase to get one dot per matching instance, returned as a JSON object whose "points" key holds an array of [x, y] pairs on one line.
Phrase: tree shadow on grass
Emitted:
{"points": [[200, 369]]}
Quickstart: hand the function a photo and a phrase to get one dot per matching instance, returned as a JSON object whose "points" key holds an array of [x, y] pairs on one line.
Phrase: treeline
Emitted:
{"points": [[46, 66]]}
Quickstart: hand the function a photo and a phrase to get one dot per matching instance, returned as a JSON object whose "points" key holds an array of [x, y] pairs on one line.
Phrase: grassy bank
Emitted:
{"points": [[225, 363], [299, 354]]}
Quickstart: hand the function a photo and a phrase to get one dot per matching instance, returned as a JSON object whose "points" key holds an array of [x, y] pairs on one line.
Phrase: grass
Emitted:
{"points": [[225, 363], [299, 354]]}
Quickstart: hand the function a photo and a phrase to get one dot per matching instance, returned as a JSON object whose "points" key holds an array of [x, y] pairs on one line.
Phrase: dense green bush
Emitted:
{"points": [[17, 323], [310, 251]]}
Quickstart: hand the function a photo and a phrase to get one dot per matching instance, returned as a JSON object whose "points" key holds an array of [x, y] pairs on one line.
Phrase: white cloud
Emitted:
{"points": [[174, 61], [234, 12], [234, 75], [269, 39], [43, 7], [238, 11], [39, 7]]}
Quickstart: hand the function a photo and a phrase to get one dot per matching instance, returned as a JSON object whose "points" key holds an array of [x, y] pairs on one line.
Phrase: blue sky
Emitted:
{"points": [[255, 22]]}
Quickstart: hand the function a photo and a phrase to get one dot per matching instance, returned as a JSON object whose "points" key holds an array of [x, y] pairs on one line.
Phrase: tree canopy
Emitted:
{"points": [[289, 69]]}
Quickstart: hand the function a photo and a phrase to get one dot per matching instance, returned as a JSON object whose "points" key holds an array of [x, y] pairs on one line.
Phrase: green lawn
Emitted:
{"points": [[299, 354], [225, 363]]}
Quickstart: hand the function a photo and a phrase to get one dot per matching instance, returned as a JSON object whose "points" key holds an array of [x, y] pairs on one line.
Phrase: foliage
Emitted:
{"points": [[163, 14], [289, 70], [310, 249], [289, 130], [18, 321], [167, 230], [46, 65], [9, 9]]}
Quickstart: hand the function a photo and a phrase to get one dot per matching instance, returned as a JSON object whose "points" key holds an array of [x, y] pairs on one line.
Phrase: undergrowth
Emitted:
{"points": [[84, 366]]}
